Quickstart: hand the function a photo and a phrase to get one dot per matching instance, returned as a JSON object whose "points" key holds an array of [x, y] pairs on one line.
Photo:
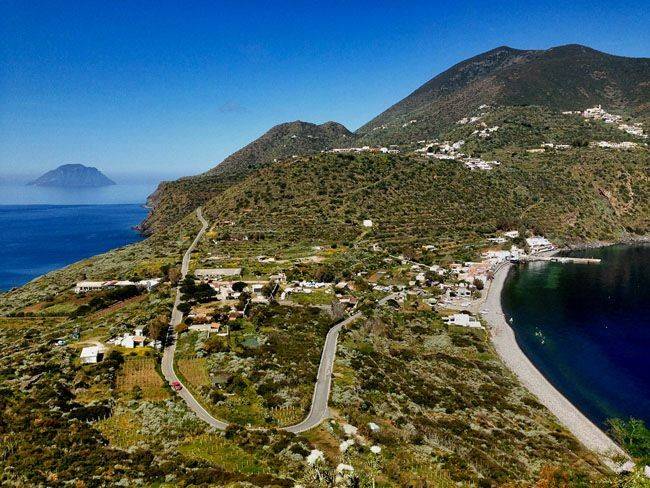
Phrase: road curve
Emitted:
{"points": [[320, 399], [167, 364], [319, 410]]}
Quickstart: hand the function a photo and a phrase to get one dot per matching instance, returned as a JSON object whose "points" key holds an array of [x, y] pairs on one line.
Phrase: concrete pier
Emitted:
{"points": [[558, 259]]}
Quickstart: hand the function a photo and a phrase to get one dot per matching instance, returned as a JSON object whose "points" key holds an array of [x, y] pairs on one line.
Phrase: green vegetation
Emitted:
{"points": [[634, 437], [263, 372], [175, 199], [575, 195], [440, 396]]}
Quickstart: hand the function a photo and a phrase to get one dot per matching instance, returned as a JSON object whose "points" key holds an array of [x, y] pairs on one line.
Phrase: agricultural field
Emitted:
{"points": [[139, 379]]}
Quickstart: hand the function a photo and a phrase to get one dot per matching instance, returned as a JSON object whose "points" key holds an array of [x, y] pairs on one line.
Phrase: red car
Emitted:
{"points": [[176, 385]]}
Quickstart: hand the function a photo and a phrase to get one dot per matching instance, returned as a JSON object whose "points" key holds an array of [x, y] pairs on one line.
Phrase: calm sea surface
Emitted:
{"points": [[35, 239], [22, 194], [587, 328]]}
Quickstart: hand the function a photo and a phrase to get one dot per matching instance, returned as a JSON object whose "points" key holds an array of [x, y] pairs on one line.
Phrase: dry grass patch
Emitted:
{"points": [[194, 370], [141, 372], [222, 452], [288, 415], [121, 430], [27, 322]]}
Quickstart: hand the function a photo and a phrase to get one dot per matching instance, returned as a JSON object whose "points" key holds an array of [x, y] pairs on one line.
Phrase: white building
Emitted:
{"points": [[367, 223], [538, 244], [92, 354], [216, 273], [85, 286], [463, 320]]}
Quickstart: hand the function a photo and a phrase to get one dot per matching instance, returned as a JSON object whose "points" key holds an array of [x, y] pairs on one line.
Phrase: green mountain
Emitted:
{"points": [[174, 199], [571, 77], [580, 193], [563, 78], [73, 176]]}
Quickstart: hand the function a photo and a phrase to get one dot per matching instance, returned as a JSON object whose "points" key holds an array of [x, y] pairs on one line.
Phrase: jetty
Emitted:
{"points": [[527, 258]]}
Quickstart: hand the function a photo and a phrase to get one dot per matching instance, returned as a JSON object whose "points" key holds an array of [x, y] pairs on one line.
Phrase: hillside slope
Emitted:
{"points": [[563, 78], [174, 199], [582, 193], [571, 77]]}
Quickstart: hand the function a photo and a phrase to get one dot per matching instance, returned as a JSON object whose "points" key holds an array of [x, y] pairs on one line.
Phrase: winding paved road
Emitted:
{"points": [[319, 410], [167, 364], [319, 405]]}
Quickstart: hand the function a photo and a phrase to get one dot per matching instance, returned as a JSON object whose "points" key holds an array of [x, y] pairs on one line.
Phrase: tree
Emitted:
{"points": [[238, 286], [157, 327], [324, 274], [478, 284], [268, 288], [182, 327], [244, 298], [633, 436], [174, 275]]}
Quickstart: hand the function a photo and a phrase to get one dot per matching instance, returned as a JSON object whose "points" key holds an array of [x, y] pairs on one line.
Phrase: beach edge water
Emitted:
{"points": [[505, 344]]}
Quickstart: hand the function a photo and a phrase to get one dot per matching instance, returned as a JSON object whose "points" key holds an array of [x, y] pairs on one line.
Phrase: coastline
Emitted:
{"points": [[505, 343]]}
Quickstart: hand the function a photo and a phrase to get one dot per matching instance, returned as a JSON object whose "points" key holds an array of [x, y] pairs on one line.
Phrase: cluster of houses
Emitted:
{"points": [[625, 145], [133, 340], [393, 149], [303, 287], [476, 118], [467, 277], [88, 286], [478, 163], [128, 340], [486, 132], [410, 122], [451, 151], [559, 147], [598, 113], [222, 281]]}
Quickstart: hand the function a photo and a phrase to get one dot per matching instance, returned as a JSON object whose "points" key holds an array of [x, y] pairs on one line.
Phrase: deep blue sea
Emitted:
{"points": [[35, 239], [587, 328]]}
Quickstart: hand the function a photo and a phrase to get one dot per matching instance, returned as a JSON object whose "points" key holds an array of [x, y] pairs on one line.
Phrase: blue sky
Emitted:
{"points": [[171, 88]]}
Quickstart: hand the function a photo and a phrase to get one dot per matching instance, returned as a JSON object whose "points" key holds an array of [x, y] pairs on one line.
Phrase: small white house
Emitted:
{"points": [[463, 320], [149, 284], [91, 355], [367, 223], [216, 273], [85, 286]]}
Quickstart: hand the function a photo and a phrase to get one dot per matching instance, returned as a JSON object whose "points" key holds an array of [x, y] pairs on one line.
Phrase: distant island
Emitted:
{"points": [[73, 176]]}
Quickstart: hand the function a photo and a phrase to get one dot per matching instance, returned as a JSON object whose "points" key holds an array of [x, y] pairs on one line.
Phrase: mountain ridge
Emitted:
{"points": [[568, 77]]}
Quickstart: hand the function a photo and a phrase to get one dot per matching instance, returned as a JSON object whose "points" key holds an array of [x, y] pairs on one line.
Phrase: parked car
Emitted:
{"points": [[176, 385]]}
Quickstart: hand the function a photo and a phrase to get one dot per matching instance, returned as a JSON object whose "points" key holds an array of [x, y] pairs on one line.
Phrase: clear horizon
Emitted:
{"points": [[172, 90]]}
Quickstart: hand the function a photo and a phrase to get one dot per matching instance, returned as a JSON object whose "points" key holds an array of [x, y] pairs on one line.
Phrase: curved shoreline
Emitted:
{"points": [[505, 343]]}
